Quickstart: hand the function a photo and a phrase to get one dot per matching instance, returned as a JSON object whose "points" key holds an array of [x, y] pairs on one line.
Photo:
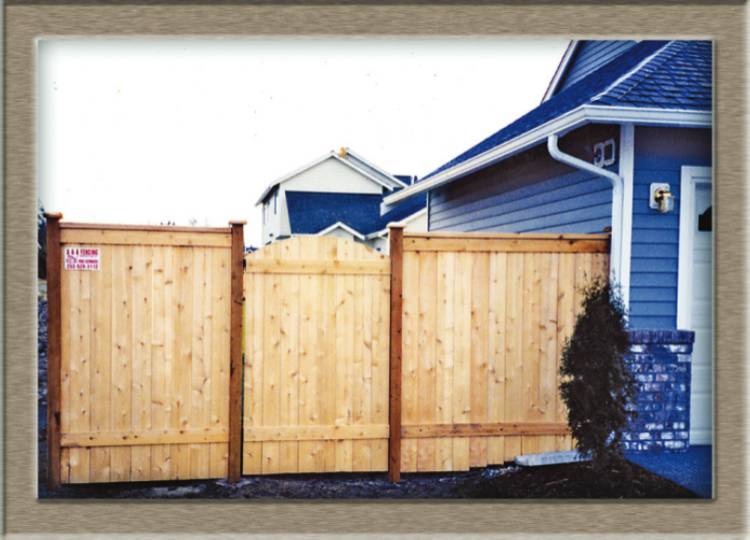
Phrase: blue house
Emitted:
{"points": [[622, 141]]}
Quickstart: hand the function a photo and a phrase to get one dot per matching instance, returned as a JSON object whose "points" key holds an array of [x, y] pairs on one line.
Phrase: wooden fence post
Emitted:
{"points": [[54, 347], [396, 237], [235, 352]]}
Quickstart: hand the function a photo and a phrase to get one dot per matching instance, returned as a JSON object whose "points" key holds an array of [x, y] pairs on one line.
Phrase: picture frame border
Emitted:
{"points": [[25, 22]]}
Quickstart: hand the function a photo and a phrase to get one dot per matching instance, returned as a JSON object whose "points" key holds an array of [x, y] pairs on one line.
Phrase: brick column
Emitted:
{"points": [[660, 362]]}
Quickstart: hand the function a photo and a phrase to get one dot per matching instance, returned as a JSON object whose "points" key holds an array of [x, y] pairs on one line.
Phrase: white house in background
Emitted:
{"points": [[339, 194]]}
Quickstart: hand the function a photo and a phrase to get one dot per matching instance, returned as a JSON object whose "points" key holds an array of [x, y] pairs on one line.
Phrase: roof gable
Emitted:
{"points": [[345, 157], [583, 58]]}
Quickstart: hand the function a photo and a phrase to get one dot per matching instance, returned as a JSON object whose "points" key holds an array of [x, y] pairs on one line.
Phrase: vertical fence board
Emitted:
{"points": [[101, 378], [160, 452], [140, 465], [410, 356], [462, 358], [289, 300], [426, 381], [308, 450], [548, 389], [530, 367], [382, 380], [565, 321], [479, 354], [253, 396], [496, 345], [444, 350]]}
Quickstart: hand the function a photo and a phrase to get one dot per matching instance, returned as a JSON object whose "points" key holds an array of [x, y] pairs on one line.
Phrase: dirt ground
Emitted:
{"points": [[575, 480]]}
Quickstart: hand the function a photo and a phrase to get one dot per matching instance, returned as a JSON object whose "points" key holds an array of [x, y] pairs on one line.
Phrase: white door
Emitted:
{"points": [[695, 304]]}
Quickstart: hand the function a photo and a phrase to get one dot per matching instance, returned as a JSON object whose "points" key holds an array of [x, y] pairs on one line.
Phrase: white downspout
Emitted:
{"points": [[617, 199]]}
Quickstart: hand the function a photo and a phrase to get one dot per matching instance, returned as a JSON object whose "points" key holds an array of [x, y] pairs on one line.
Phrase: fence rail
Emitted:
{"points": [[441, 357]]}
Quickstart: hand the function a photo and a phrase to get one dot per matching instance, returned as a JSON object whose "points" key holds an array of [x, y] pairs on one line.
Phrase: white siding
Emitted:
{"points": [[418, 224], [332, 176], [272, 225], [338, 232]]}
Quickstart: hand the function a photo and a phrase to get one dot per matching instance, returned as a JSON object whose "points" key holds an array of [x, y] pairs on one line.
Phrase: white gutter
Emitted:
{"points": [[573, 119], [617, 199]]}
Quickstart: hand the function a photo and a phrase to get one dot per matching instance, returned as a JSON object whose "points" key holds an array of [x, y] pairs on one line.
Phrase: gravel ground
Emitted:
{"points": [[562, 481]]}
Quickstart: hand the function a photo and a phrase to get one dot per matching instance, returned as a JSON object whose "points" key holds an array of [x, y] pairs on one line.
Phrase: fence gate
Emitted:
{"points": [[316, 357], [142, 369]]}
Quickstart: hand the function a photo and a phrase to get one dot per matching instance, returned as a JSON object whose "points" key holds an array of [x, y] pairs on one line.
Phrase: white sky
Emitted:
{"points": [[144, 131]]}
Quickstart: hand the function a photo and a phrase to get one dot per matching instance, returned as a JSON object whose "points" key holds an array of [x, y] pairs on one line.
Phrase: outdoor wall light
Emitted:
{"points": [[661, 198]]}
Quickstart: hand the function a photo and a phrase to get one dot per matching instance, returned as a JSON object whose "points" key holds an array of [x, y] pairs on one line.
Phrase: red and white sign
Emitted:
{"points": [[81, 258]]}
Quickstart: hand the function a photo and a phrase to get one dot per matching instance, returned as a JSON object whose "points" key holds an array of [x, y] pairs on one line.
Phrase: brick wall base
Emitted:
{"points": [[660, 363]]}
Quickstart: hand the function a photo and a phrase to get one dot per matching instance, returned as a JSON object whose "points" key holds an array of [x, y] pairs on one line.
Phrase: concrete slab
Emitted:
{"points": [[550, 458]]}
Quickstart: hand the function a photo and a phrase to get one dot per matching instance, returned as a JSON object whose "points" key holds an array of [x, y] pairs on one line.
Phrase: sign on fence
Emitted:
{"points": [[82, 258]]}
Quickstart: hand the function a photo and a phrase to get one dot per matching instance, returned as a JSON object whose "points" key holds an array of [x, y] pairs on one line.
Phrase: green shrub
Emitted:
{"points": [[596, 384]]}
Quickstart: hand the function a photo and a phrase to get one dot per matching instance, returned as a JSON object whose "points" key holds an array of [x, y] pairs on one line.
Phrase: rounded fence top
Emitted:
{"points": [[238, 222], [53, 215]]}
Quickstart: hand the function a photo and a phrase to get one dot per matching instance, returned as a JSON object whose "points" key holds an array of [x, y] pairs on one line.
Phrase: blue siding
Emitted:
{"points": [[529, 193], [659, 155], [588, 57]]}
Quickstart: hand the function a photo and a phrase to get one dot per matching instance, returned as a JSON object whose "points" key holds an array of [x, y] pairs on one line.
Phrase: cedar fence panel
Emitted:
{"points": [[441, 358], [316, 357], [484, 319], [144, 354]]}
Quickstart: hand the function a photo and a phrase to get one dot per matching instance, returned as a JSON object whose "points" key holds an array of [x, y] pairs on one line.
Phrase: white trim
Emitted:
{"points": [[381, 170], [627, 164], [689, 177], [651, 116], [561, 68], [403, 223], [287, 176], [321, 159], [364, 172], [558, 126], [341, 225]]}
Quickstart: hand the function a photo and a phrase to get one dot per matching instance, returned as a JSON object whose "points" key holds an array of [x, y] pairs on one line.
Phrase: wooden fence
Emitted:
{"points": [[484, 319], [139, 352], [316, 364], [441, 357]]}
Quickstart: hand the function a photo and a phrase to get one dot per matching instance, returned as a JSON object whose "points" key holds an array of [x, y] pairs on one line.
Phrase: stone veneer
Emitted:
{"points": [[660, 363]]}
